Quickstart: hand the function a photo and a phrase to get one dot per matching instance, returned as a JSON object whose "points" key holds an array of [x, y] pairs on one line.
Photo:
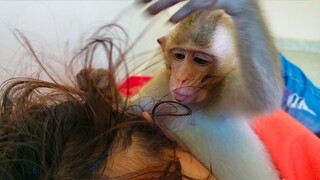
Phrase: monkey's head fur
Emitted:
{"points": [[200, 53]]}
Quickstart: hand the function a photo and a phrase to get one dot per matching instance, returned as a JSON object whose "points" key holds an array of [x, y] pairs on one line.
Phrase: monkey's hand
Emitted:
{"points": [[231, 7]]}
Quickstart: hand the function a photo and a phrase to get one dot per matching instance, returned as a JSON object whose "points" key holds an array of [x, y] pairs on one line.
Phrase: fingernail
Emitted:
{"points": [[152, 11], [172, 20], [144, 1]]}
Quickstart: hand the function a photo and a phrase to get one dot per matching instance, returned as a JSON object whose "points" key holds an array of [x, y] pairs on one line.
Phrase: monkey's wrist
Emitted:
{"points": [[236, 8]]}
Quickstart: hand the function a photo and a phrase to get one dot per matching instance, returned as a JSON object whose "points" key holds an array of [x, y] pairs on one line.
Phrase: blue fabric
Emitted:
{"points": [[301, 97]]}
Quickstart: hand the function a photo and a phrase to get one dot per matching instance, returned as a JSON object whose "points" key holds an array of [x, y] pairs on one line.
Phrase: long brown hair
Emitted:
{"points": [[51, 130]]}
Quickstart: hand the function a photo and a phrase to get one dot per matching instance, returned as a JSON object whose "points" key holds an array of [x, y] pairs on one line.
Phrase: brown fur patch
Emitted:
{"points": [[199, 28]]}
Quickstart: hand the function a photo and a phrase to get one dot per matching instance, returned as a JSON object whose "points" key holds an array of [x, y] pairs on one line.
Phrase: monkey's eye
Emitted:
{"points": [[200, 61], [179, 56]]}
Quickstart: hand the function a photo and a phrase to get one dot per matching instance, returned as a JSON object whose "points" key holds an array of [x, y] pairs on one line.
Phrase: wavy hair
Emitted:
{"points": [[51, 130]]}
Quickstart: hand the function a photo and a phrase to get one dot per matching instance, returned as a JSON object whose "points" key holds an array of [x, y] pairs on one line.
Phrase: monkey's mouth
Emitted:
{"points": [[184, 98]]}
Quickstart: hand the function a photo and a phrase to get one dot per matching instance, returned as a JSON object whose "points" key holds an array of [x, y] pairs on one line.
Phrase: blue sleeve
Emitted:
{"points": [[301, 97]]}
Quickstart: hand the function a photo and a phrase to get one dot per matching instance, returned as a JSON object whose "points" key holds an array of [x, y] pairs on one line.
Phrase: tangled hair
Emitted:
{"points": [[62, 131]]}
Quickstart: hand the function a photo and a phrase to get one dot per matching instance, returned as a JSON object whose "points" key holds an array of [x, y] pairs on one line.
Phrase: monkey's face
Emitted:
{"points": [[191, 75], [200, 54]]}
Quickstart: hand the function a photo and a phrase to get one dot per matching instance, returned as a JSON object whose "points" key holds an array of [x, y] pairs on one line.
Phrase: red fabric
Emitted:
{"points": [[131, 85], [294, 149]]}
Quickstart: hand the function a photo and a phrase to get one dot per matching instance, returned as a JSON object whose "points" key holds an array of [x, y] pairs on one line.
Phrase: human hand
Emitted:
{"points": [[190, 7]]}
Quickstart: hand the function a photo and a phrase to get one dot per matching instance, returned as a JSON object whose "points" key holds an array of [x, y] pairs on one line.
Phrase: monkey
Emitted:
{"points": [[223, 64]]}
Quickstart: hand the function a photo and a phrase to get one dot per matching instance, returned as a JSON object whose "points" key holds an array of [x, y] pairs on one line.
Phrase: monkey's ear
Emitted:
{"points": [[162, 41]]}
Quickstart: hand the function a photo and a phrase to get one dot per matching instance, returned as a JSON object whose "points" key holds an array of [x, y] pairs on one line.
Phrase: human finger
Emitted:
{"points": [[147, 116]]}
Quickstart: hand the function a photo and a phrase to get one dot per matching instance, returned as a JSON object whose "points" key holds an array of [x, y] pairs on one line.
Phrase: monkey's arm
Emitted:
{"points": [[155, 90], [258, 58]]}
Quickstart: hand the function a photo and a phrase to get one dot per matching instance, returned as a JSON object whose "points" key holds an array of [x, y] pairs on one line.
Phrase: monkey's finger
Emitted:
{"points": [[190, 7], [145, 1], [161, 5]]}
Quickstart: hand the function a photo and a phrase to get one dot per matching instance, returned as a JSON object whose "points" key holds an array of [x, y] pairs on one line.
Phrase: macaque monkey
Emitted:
{"points": [[227, 73], [224, 66]]}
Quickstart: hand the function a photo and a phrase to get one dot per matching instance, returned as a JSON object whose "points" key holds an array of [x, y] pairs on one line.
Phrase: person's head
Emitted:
{"points": [[50, 130]]}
